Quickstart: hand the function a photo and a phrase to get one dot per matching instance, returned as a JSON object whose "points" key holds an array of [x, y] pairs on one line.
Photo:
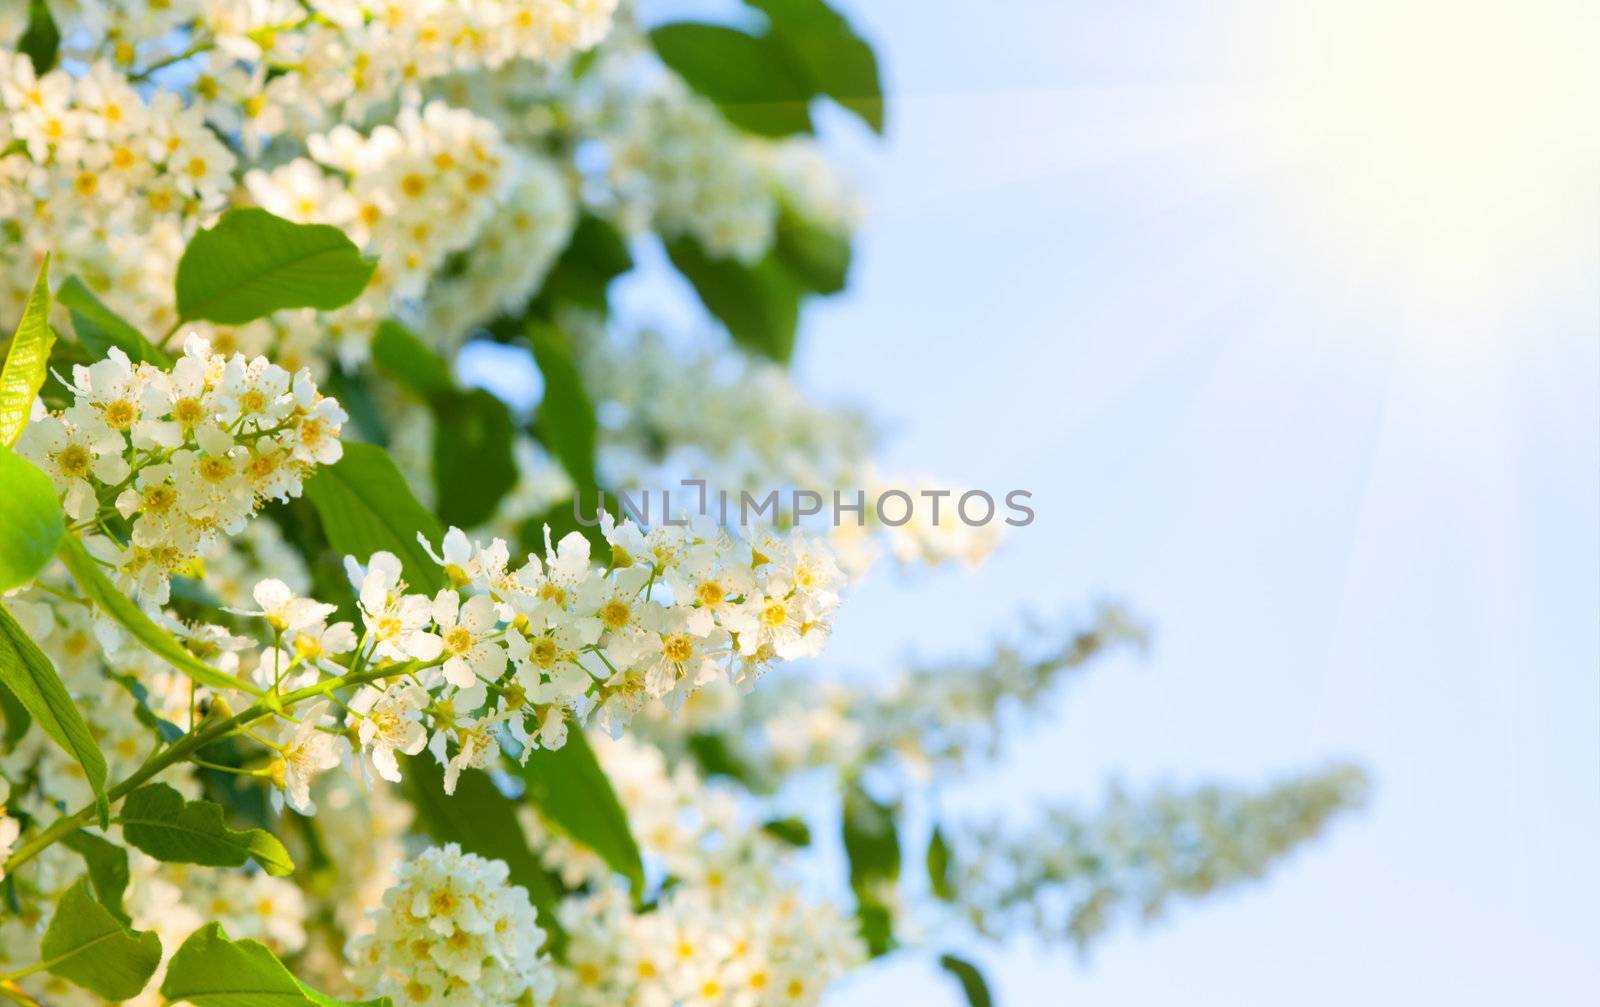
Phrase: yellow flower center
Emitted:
{"points": [[73, 460], [677, 648], [615, 614]]}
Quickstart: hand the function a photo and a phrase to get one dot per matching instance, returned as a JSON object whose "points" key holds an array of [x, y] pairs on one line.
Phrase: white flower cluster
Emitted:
{"points": [[436, 182], [676, 163], [1072, 875], [927, 721], [510, 653], [185, 456], [452, 930], [730, 929], [107, 182], [810, 186]]}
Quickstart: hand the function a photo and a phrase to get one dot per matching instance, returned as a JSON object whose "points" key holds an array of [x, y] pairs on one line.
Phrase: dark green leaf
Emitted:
{"points": [[834, 60], [251, 263], [474, 464], [749, 78], [595, 255], [156, 819], [30, 517], [26, 360], [108, 868], [366, 507], [17, 718], [409, 361], [41, 39], [714, 757], [32, 679], [570, 789], [872, 844], [793, 831], [86, 944], [565, 420], [93, 582], [210, 970], [100, 328], [759, 304], [817, 256], [939, 879], [970, 978], [484, 821]]}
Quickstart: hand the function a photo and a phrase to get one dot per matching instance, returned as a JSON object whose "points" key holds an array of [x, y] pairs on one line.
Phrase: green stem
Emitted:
{"points": [[178, 751]]}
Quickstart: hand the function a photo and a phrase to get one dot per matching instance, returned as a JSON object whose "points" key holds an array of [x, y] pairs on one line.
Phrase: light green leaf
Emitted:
{"points": [[834, 60], [252, 263], [565, 420], [30, 518], [86, 944], [210, 970], [32, 679], [750, 79], [759, 304], [157, 820], [484, 821], [817, 256], [793, 831], [99, 328], [366, 507], [570, 789], [93, 582], [27, 360], [108, 868], [971, 980]]}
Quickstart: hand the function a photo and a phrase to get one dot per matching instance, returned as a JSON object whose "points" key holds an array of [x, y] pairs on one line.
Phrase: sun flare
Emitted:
{"points": [[1443, 139]]}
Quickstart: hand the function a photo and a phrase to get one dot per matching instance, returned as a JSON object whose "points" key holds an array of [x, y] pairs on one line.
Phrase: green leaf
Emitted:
{"points": [[872, 844], [408, 360], [17, 717], [484, 821], [817, 256], [252, 263], [570, 789], [210, 970], [714, 756], [595, 255], [41, 39], [749, 78], [759, 304], [157, 820], [32, 679], [100, 328], [939, 866], [86, 944], [27, 359], [93, 582], [793, 831], [834, 60], [565, 421], [474, 463], [108, 868], [971, 980], [30, 516], [366, 507]]}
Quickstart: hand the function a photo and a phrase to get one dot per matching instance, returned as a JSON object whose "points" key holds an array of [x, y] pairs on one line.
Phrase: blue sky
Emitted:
{"points": [[1314, 386]]}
